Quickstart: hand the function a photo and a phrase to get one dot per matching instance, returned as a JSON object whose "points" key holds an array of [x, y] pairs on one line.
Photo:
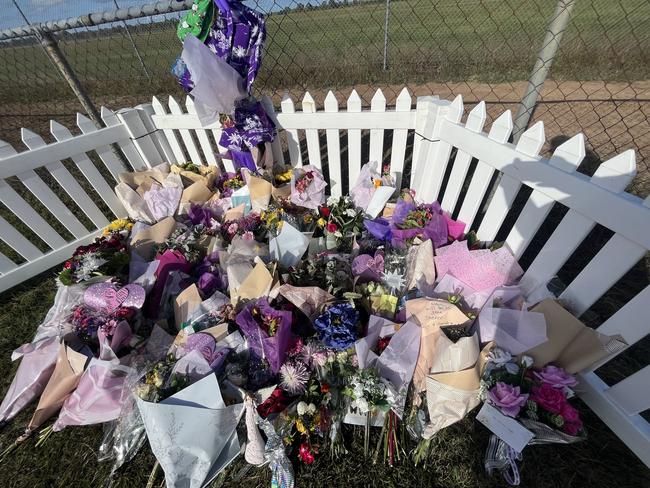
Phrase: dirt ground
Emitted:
{"points": [[613, 116]]}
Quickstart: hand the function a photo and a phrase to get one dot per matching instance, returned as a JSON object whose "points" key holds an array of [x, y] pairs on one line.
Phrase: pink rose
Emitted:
{"points": [[232, 229], [570, 414], [556, 377], [508, 398], [549, 398], [572, 421], [248, 236]]}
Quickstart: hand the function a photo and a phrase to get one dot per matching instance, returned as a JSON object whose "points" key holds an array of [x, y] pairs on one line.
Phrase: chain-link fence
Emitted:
{"points": [[598, 82]]}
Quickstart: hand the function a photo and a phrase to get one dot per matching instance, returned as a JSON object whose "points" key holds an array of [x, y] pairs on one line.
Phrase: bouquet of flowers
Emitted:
{"points": [[537, 400], [344, 223], [250, 227], [228, 182], [107, 256], [337, 326], [370, 394], [308, 187], [268, 331]]}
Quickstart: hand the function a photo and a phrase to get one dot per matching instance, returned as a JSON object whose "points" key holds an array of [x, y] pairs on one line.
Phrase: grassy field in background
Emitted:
{"points": [[448, 40]]}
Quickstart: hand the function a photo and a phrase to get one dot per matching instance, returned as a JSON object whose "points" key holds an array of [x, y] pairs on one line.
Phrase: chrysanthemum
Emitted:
{"points": [[293, 377]]}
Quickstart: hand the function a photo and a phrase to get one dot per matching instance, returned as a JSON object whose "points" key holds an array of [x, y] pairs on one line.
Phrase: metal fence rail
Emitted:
{"points": [[581, 66]]}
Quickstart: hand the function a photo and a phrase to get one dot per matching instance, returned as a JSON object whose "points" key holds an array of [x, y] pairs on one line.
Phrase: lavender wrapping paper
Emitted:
{"points": [[36, 366], [515, 330]]}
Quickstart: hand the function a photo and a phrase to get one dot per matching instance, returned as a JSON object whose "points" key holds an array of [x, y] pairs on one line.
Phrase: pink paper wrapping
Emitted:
{"points": [[480, 269], [314, 195], [38, 360], [99, 396]]}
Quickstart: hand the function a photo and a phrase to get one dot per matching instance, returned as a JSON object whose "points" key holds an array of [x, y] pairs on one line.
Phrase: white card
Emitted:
{"points": [[506, 428], [378, 200]]}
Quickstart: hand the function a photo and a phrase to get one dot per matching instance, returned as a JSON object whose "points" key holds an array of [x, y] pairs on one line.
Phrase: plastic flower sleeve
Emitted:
{"points": [[216, 84], [192, 433], [36, 367]]}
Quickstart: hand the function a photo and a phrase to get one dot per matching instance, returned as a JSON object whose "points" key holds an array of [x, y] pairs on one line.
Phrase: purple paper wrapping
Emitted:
{"points": [[169, 261], [368, 268], [38, 360], [505, 319], [270, 348], [435, 229], [380, 228]]}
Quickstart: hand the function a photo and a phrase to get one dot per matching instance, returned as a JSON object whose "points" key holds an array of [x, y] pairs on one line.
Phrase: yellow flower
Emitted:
{"points": [[377, 182], [116, 226], [300, 427], [321, 222], [283, 177]]}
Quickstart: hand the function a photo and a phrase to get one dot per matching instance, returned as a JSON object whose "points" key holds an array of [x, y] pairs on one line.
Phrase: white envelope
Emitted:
{"points": [[289, 246], [378, 200], [192, 433]]}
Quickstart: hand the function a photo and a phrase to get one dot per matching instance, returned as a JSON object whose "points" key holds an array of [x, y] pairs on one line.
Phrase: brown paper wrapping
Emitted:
{"points": [[136, 178], [65, 378], [260, 191], [281, 193], [186, 302], [258, 283], [207, 176], [233, 214], [309, 299], [571, 344], [430, 314], [197, 192], [144, 241]]}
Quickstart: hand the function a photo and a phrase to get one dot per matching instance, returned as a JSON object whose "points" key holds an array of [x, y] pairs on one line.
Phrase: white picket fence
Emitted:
{"points": [[156, 132]]}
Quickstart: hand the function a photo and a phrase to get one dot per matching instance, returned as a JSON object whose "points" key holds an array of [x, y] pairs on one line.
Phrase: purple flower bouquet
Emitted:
{"points": [[268, 331]]}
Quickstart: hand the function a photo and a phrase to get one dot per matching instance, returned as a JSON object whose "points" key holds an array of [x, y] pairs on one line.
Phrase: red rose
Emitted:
{"points": [[325, 212], [572, 422], [67, 265], [324, 388], [305, 453], [331, 227], [549, 398]]}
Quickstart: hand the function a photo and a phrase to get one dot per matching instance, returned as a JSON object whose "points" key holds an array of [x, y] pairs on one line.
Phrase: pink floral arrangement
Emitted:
{"points": [[519, 392]]}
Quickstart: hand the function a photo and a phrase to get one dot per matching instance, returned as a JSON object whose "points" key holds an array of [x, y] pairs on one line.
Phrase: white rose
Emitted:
{"points": [[332, 201], [302, 408], [527, 361], [350, 212], [311, 409]]}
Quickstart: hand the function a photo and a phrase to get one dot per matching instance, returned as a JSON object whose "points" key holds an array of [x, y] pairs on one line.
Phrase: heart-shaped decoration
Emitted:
{"points": [[368, 268], [107, 297]]}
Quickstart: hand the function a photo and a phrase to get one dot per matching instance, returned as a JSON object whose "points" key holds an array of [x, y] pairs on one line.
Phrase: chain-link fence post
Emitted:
{"points": [[543, 64], [386, 35], [56, 55]]}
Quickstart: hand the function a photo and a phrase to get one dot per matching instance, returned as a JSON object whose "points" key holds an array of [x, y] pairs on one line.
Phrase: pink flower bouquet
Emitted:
{"points": [[308, 187]]}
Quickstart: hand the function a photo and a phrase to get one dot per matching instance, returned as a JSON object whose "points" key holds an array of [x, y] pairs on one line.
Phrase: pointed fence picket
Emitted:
{"points": [[155, 133], [75, 194]]}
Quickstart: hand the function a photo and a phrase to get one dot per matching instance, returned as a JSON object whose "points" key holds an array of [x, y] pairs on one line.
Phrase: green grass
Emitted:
{"points": [[68, 458], [444, 41]]}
